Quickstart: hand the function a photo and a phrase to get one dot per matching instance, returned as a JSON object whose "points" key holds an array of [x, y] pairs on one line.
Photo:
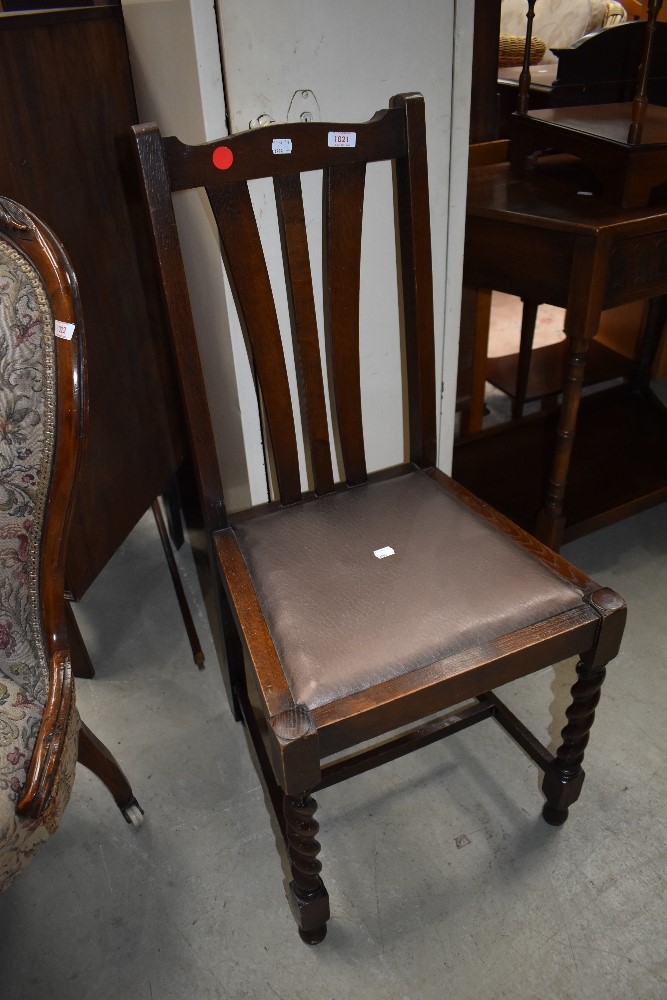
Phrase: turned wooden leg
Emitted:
{"points": [[309, 898], [97, 758], [563, 781], [582, 316], [551, 519], [640, 101], [524, 78]]}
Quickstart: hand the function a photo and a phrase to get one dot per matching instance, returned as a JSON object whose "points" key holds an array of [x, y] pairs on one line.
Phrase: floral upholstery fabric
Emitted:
{"points": [[20, 718], [27, 368], [560, 23]]}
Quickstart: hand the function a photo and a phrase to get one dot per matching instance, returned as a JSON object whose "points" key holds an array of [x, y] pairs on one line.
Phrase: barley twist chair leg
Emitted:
{"points": [[309, 898], [562, 783]]}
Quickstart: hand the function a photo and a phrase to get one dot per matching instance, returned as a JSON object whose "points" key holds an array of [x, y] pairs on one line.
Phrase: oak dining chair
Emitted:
{"points": [[357, 603]]}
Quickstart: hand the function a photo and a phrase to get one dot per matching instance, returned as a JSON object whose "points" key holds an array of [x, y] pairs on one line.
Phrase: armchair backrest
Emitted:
{"points": [[40, 427]]}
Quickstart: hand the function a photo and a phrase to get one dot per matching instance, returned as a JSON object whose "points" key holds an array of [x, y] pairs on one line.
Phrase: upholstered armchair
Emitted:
{"points": [[41, 430], [558, 24]]}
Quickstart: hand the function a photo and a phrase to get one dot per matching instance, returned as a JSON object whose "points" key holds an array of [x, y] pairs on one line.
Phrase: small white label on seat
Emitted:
{"points": [[342, 139], [63, 330], [281, 146], [383, 553]]}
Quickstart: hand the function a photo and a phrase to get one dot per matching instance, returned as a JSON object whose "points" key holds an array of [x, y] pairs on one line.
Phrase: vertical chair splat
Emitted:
{"points": [[292, 224], [249, 278], [343, 211]]}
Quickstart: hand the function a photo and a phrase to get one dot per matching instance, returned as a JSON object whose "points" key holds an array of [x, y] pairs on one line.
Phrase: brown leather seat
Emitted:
{"points": [[337, 610]]}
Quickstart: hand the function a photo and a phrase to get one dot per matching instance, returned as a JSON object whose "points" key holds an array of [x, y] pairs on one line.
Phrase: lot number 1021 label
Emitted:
{"points": [[339, 139]]}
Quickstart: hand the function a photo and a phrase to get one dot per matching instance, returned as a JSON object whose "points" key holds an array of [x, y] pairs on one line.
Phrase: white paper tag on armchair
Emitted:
{"points": [[64, 330], [384, 552]]}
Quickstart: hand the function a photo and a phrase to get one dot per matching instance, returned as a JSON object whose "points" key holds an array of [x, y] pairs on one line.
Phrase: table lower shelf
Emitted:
{"points": [[619, 461], [547, 366]]}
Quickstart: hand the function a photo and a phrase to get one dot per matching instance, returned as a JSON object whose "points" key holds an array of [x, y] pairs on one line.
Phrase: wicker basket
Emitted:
{"points": [[511, 49]]}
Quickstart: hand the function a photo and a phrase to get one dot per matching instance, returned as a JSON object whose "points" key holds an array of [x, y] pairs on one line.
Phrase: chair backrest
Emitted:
{"points": [[41, 414], [283, 152]]}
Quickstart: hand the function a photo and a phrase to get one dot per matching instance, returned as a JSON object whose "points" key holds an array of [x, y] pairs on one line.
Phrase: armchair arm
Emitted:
{"points": [[50, 738]]}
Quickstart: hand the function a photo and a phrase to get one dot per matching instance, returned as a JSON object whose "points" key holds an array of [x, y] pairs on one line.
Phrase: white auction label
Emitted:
{"points": [[384, 552], [64, 330], [348, 139], [281, 146]]}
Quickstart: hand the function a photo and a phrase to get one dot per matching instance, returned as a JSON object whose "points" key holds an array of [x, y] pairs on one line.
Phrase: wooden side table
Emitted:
{"points": [[547, 239]]}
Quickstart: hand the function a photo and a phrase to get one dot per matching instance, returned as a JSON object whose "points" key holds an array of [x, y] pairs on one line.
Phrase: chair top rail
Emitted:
{"points": [[285, 148]]}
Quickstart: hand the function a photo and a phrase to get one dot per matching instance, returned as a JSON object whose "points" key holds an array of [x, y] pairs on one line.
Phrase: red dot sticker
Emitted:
{"points": [[223, 157]]}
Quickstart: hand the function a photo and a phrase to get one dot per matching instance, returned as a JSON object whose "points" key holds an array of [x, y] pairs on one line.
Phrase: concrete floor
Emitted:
{"points": [[444, 880]]}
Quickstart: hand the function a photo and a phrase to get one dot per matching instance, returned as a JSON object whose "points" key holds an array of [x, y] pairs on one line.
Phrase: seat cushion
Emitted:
{"points": [[20, 719], [346, 615]]}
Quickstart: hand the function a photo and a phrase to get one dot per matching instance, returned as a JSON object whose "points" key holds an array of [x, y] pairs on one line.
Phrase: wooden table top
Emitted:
{"points": [[610, 122], [555, 194]]}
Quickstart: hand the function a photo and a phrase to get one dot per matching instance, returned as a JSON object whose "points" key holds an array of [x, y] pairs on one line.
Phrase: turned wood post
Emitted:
{"points": [[640, 101], [524, 78], [585, 297]]}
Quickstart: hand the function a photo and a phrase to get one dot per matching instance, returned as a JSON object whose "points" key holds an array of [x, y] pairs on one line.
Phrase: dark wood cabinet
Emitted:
{"points": [[66, 108]]}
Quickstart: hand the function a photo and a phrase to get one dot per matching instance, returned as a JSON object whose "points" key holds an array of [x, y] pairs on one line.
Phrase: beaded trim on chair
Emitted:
{"points": [[27, 383]]}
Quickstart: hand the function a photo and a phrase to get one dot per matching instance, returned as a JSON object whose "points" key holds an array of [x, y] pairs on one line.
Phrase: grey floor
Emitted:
{"points": [[444, 880]]}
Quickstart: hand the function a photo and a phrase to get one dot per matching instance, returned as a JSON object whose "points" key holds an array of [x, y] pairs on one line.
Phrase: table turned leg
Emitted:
{"points": [[551, 519], [584, 306]]}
